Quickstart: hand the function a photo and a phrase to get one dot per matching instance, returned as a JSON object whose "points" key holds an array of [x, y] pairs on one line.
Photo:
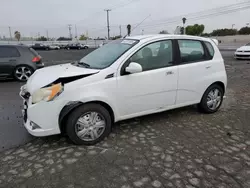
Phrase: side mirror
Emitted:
{"points": [[133, 68]]}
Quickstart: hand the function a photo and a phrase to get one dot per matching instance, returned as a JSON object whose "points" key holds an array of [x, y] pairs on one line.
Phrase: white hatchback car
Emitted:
{"points": [[243, 52], [124, 79]]}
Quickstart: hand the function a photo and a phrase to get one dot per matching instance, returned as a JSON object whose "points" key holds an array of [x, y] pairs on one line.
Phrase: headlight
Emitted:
{"points": [[47, 94]]}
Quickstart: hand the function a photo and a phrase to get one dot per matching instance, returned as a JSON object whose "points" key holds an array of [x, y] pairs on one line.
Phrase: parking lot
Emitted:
{"points": [[178, 148]]}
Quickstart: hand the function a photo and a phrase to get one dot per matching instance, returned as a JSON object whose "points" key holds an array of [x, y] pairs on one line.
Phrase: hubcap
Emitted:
{"points": [[214, 99], [90, 126], [23, 73]]}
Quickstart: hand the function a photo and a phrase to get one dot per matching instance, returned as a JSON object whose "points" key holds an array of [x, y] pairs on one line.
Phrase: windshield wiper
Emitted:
{"points": [[84, 64]]}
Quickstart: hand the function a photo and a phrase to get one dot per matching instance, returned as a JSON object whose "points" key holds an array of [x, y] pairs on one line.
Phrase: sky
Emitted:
{"points": [[36, 17]]}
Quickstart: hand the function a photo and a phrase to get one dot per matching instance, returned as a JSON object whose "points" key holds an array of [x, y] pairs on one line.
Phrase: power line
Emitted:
{"points": [[205, 14], [200, 17]]}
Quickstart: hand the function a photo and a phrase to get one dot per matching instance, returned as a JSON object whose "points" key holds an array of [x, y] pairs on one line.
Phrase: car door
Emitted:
{"points": [[152, 89], [9, 56], [195, 70]]}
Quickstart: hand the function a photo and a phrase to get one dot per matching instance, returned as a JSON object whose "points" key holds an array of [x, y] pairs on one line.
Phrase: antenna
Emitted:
{"points": [[138, 25]]}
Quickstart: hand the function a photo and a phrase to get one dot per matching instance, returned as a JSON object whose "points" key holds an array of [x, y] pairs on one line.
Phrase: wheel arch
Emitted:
{"points": [[221, 84], [71, 106]]}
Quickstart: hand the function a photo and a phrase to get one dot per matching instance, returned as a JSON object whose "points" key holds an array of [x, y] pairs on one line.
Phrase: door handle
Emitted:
{"points": [[169, 72], [12, 60], [208, 67]]}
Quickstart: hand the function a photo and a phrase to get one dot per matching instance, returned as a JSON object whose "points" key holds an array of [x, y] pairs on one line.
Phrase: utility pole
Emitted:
{"points": [[10, 33], [107, 10], [47, 33], [233, 26], [120, 27], [75, 31], [70, 34]]}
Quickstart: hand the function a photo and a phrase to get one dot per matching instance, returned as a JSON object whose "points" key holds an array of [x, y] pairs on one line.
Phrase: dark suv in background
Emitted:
{"points": [[18, 61]]}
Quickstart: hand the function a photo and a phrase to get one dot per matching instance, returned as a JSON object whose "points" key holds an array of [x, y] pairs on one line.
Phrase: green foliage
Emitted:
{"points": [[63, 39], [224, 32], [163, 32], [244, 31], [42, 38], [195, 29], [83, 37]]}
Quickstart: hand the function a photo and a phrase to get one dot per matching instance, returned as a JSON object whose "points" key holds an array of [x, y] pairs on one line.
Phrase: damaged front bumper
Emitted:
{"points": [[40, 119]]}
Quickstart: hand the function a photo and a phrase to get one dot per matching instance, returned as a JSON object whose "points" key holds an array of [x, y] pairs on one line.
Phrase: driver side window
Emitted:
{"points": [[155, 55]]}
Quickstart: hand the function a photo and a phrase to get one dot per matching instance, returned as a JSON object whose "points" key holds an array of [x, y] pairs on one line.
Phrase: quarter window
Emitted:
{"points": [[210, 49], [155, 55], [191, 51], [7, 51]]}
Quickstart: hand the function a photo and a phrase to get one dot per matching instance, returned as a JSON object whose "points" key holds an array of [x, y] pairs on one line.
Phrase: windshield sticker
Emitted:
{"points": [[128, 42]]}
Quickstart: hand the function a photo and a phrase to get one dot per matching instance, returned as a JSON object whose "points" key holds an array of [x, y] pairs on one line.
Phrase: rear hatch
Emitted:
{"points": [[37, 58]]}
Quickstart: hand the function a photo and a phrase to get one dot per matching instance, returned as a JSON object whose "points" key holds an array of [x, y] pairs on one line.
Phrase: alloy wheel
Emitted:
{"points": [[22, 73]]}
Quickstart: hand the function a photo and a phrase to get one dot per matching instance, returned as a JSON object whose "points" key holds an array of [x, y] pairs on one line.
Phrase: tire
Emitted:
{"points": [[86, 47], [47, 49], [22, 73], [208, 98], [84, 113]]}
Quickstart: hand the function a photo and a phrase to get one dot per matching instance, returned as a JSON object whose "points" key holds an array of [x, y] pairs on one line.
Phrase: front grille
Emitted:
{"points": [[25, 116], [237, 55]]}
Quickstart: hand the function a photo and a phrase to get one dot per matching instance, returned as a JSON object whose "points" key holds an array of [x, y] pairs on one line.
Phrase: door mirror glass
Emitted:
{"points": [[134, 68]]}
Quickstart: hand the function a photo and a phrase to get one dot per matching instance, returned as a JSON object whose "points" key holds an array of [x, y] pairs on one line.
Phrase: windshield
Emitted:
{"points": [[107, 54]]}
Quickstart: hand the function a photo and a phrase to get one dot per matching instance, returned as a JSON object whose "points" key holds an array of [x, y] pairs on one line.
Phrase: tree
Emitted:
{"points": [[195, 29], [129, 29], [224, 32], [163, 32], [83, 37], [42, 38], [17, 35], [63, 39], [244, 31]]}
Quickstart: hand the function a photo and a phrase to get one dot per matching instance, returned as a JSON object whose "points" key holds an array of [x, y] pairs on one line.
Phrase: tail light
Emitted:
{"points": [[36, 59]]}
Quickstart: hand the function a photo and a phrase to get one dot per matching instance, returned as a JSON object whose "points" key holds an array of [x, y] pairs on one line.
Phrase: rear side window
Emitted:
{"points": [[210, 49], [191, 51], [8, 51]]}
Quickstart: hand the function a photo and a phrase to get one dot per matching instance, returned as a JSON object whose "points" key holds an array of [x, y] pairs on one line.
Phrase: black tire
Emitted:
{"points": [[77, 113], [86, 47], [26, 67], [203, 106], [47, 49]]}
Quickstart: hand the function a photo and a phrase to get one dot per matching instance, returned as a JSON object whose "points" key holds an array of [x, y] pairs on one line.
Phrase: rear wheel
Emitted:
{"points": [[212, 99], [22, 73], [88, 124]]}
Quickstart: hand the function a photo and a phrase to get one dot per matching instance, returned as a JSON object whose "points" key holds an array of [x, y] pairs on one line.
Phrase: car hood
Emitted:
{"points": [[48, 75], [244, 48]]}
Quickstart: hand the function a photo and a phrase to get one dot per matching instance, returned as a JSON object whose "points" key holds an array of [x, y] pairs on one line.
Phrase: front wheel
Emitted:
{"points": [[88, 124], [212, 99]]}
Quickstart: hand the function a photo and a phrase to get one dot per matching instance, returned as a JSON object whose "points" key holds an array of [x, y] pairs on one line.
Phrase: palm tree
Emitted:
{"points": [[184, 21], [129, 29], [17, 35]]}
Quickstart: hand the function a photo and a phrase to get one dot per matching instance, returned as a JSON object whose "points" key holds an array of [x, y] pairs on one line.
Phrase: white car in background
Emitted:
{"points": [[54, 47], [243, 52], [123, 79]]}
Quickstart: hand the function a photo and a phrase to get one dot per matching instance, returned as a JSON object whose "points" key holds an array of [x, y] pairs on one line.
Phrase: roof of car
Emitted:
{"points": [[170, 36], [15, 45]]}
